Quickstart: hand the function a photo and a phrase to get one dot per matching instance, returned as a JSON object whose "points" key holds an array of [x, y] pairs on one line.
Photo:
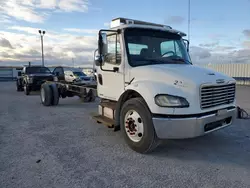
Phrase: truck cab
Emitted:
{"points": [[150, 89], [32, 77]]}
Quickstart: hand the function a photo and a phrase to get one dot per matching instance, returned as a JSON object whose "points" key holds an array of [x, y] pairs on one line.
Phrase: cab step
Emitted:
{"points": [[108, 104], [104, 120]]}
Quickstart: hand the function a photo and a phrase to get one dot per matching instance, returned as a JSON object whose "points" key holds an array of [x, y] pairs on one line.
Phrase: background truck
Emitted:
{"points": [[32, 77], [74, 76], [150, 90]]}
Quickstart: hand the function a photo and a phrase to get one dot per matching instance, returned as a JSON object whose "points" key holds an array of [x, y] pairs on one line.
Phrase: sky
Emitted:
{"points": [[219, 29]]}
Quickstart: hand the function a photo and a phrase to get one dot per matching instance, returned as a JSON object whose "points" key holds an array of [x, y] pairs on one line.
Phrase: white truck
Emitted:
{"points": [[150, 90], [77, 77]]}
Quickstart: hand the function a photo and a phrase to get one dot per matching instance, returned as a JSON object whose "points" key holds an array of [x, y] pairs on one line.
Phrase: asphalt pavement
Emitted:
{"points": [[45, 147]]}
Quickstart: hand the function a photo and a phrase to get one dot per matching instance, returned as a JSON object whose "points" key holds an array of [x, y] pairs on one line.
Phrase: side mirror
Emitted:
{"points": [[56, 73], [98, 59], [102, 43], [187, 44]]}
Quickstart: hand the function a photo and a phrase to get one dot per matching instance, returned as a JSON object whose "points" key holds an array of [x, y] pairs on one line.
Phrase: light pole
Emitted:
{"points": [[189, 20], [41, 34]]}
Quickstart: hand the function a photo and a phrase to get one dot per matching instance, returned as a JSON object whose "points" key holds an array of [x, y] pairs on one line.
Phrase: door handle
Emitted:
{"points": [[116, 69]]}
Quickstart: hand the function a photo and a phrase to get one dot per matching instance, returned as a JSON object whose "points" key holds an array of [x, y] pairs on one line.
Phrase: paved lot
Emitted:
{"points": [[63, 147]]}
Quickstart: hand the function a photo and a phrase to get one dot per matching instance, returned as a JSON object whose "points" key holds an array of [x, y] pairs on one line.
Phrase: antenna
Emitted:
{"points": [[189, 20]]}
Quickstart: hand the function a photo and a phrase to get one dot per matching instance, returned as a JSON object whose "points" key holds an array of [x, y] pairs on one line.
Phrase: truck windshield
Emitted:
{"points": [[147, 47], [32, 70]]}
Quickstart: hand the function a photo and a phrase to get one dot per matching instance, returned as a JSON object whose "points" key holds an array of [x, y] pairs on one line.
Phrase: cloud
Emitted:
{"points": [[30, 30], [21, 11], [73, 5], [246, 44], [246, 32], [59, 48], [209, 44], [175, 20], [4, 18], [48, 4], [200, 55], [5, 43], [37, 11], [86, 31]]}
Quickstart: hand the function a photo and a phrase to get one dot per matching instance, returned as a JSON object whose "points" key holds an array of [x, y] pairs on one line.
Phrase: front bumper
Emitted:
{"points": [[36, 85], [190, 127]]}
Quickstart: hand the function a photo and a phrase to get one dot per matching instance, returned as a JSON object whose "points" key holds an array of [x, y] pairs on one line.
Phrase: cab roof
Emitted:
{"points": [[122, 23]]}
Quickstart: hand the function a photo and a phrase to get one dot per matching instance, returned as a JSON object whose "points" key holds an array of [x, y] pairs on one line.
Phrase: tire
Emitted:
{"points": [[55, 94], [148, 140], [26, 89], [46, 95], [18, 87], [89, 97]]}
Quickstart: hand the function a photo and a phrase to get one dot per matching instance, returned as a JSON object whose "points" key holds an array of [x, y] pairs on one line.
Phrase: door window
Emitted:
{"points": [[113, 55], [59, 70]]}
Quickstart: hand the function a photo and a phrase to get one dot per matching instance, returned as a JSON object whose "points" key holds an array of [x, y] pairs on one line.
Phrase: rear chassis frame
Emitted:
{"points": [[70, 90]]}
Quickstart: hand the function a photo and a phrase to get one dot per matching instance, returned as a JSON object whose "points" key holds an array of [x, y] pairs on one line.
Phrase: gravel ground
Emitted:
{"points": [[63, 147]]}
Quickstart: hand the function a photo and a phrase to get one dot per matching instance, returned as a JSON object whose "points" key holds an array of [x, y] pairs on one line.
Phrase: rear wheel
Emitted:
{"points": [[46, 95], [137, 126], [88, 96], [55, 94]]}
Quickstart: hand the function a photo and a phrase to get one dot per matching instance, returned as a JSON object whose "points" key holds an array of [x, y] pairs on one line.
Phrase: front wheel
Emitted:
{"points": [[137, 126], [46, 95], [26, 89], [18, 87]]}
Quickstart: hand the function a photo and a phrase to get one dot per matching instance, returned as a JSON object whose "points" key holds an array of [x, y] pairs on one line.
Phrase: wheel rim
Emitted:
{"points": [[133, 125], [43, 95]]}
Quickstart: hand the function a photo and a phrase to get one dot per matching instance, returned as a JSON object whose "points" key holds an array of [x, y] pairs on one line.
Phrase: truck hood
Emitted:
{"points": [[170, 73], [86, 78]]}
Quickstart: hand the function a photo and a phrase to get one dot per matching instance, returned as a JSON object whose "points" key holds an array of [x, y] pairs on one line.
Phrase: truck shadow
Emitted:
{"points": [[220, 147], [34, 93], [77, 103]]}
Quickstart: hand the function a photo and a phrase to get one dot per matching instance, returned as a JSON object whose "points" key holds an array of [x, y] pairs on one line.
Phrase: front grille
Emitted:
{"points": [[216, 95], [41, 79]]}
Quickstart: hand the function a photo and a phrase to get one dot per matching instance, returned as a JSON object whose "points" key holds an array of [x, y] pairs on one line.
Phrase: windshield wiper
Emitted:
{"points": [[181, 59], [157, 60]]}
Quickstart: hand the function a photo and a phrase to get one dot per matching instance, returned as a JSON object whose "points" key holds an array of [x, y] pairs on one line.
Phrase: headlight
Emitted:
{"points": [[55, 79], [30, 80], [165, 100]]}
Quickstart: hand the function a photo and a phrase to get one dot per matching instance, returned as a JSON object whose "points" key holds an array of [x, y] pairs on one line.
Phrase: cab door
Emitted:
{"points": [[110, 76], [59, 72]]}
